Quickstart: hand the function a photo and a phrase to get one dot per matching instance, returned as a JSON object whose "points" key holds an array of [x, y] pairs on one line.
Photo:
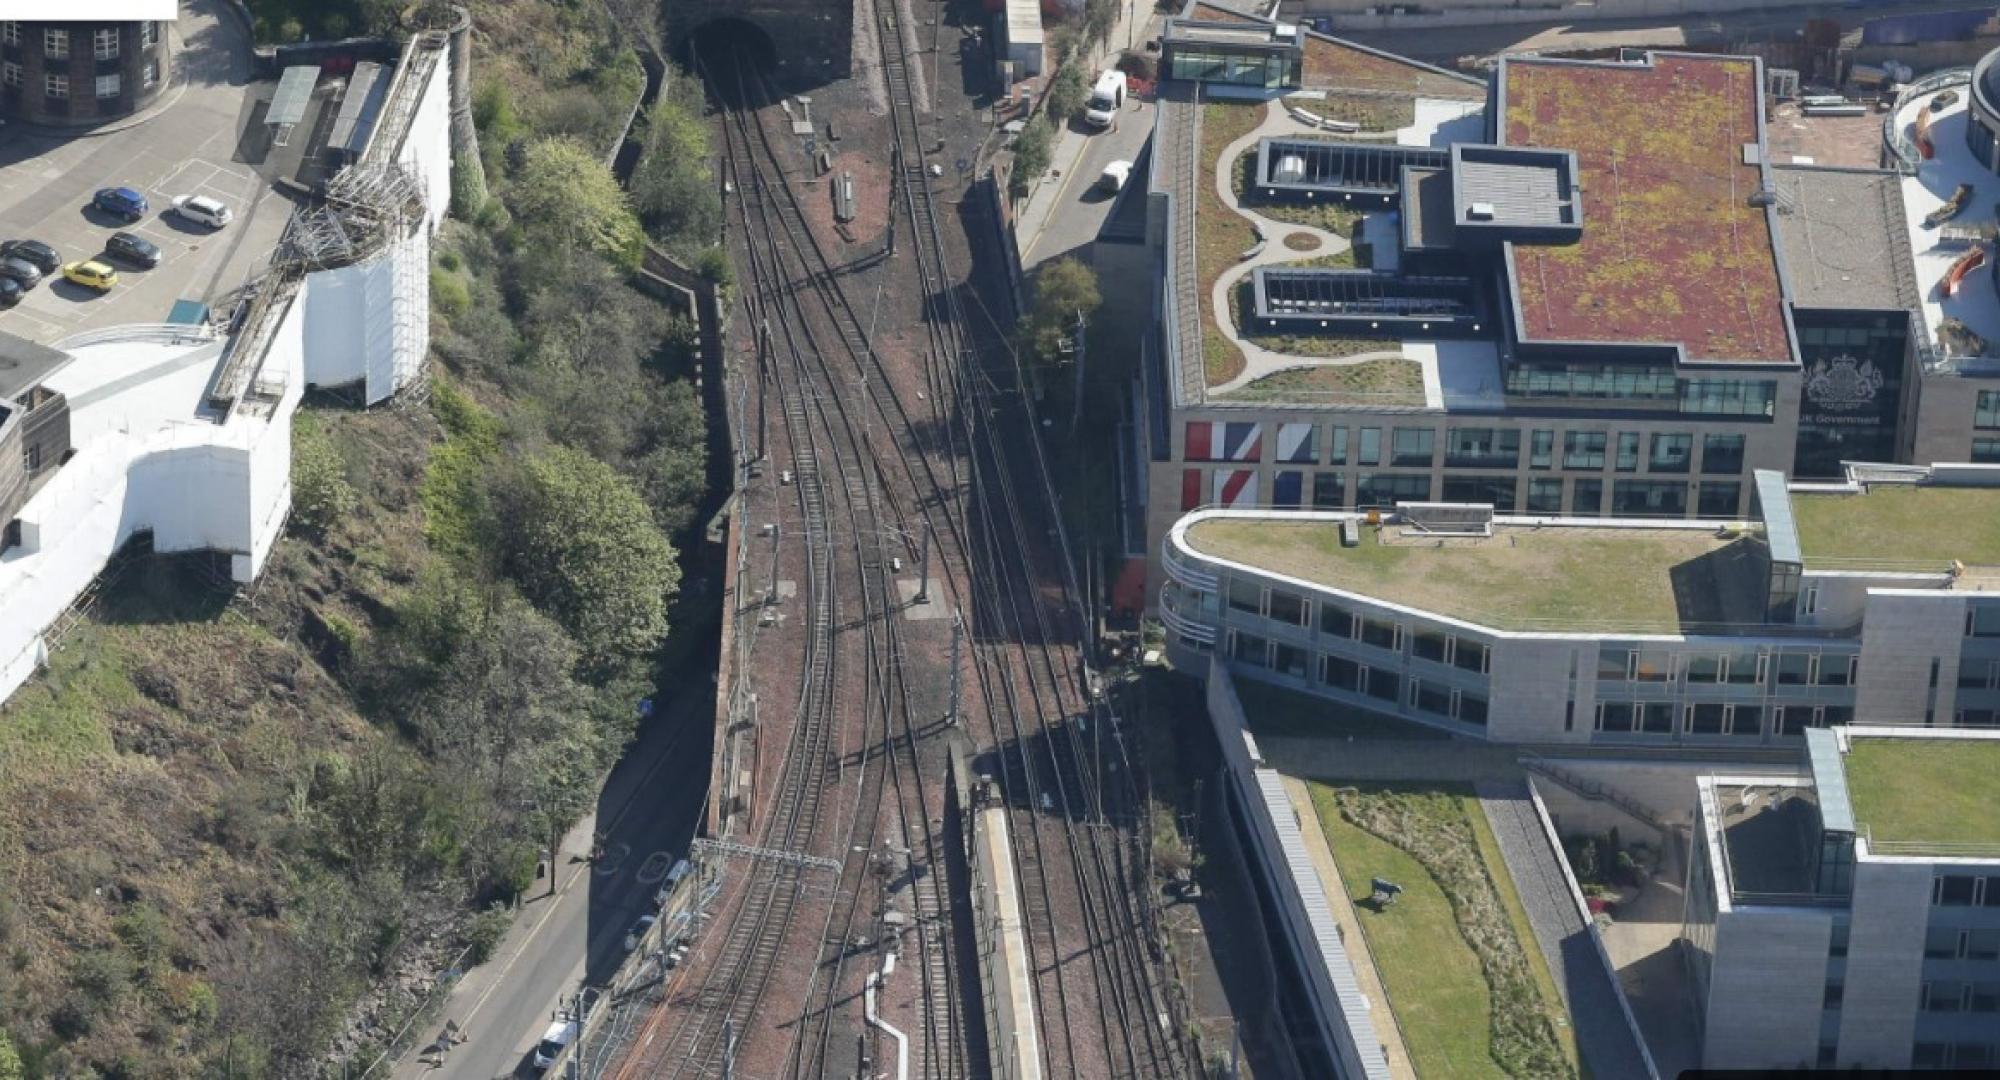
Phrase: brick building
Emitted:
{"points": [[78, 74]]}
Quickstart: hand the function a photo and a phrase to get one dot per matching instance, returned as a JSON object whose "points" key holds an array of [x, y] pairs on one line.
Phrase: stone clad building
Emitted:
{"points": [[79, 74]]}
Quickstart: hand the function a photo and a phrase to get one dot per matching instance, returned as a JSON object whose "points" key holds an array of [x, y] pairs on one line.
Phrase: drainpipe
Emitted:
{"points": [[902, 1040]]}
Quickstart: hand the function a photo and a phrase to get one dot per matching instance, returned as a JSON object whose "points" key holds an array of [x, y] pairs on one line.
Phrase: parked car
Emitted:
{"points": [[639, 931], [203, 210], [35, 253], [121, 202], [133, 249], [91, 274], [20, 271], [1112, 180], [10, 292]]}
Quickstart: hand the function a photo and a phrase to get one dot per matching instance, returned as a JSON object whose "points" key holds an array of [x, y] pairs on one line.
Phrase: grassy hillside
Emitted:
{"points": [[240, 838]]}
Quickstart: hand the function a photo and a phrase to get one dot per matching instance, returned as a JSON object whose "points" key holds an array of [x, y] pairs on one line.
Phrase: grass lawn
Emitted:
{"points": [[1397, 382], [1521, 578], [1926, 790], [1436, 981], [1903, 524], [1374, 112], [1275, 710], [1221, 235]]}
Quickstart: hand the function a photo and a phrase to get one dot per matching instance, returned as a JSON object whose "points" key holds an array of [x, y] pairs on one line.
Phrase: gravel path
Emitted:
{"points": [[1588, 988]]}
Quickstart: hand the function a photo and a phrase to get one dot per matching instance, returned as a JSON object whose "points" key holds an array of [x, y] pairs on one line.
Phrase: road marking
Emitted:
{"points": [[655, 867]]}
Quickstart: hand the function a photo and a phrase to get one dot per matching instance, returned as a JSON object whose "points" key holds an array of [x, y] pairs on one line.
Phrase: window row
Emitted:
{"points": [[1956, 995], [1341, 673], [1986, 413], [1464, 448], [1982, 620], [1948, 943], [1965, 890], [1279, 605], [55, 43], [1715, 718], [1937, 1055], [1539, 495], [1736, 667], [1625, 382]]}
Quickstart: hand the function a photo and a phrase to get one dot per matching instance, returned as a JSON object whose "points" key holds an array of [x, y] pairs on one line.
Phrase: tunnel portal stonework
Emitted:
{"points": [[812, 39]]}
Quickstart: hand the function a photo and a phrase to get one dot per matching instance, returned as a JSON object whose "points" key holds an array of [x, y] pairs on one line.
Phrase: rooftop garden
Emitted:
{"points": [[1384, 382], [1672, 250], [1925, 791], [1222, 235], [1902, 524], [1659, 579], [1339, 65], [1455, 952]]}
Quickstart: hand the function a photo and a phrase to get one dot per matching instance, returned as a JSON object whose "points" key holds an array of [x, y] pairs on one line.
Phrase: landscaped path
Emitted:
{"points": [[1259, 362], [1603, 1034]]}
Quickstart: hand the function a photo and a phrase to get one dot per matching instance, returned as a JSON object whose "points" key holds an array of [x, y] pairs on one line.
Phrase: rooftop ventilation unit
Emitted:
{"points": [[1480, 211]]}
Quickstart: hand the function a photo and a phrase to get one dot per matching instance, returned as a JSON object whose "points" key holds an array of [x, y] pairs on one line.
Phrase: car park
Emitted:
{"points": [[33, 252], [133, 250], [20, 271], [121, 202], [91, 274], [202, 210]]}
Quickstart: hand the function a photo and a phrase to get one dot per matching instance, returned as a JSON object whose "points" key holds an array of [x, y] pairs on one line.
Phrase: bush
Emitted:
{"points": [[1067, 93], [713, 265], [449, 294], [483, 933], [1033, 150], [321, 495]]}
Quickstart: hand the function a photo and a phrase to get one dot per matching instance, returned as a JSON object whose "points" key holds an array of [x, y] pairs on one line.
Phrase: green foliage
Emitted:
{"points": [[1062, 289], [672, 187], [454, 489], [586, 549], [449, 293], [483, 934], [713, 264], [1032, 152], [10, 1060], [321, 495], [494, 116], [566, 198], [1067, 93]]}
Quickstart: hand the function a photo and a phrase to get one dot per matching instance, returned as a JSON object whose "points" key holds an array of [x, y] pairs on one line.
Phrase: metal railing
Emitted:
{"points": [[1935, 848], [1902, 149], [159, 333]]}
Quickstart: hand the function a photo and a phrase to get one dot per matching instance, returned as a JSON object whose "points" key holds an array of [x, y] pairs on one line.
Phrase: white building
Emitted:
{"points": [[182, 433], [1852, 920]]}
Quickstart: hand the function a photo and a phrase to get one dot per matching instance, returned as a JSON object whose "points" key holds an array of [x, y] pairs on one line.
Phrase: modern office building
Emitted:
{"points": [[78, 74], [1851, 920], [1878, 598], [1574, 288]]}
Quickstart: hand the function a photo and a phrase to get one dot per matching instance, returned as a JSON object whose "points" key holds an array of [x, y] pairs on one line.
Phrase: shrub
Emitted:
{"points": [[1067, 93], [713, 265], [483, 933], [449, 294], [1032, 152], [321, 495], [450, 261]]}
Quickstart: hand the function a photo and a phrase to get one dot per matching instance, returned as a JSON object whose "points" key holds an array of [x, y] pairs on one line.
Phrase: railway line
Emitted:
{"points": [[871, 483]]}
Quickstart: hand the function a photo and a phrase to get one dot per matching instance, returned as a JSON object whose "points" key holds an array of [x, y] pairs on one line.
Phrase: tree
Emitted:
{"points": [[565, 195], [10, 1061], [586, 550], [1062, 289], [672, 187], [1067, 93], [321, 495], [1033, 149]]}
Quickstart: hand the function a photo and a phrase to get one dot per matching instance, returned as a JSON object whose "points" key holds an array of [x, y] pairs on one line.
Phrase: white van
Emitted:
{"points": [[1112, 180], [562, 1031], [1106, 98]]}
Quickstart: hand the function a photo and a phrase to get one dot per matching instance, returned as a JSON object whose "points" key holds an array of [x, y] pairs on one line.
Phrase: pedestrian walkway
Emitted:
{"points": [[1604, 1031], [1387, 759], [1351, 937]]}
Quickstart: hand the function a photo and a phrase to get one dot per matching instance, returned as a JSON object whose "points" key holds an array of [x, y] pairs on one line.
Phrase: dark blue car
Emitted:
{"points": [[122, 201]]}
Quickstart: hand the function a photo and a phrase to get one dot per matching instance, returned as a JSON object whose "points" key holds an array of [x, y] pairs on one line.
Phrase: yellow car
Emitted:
{"points": [[92, 273]]}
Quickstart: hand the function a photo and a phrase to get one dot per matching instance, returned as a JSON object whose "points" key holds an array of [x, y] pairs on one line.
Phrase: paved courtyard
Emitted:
{"points": [[203, 137]]}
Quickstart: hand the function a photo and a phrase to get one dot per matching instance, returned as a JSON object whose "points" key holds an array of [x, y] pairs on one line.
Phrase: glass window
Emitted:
{"points": [[10, 73], [1371, 446], [108, 85], [1289, 608], [1983, 620], [1498, 490], [1986, 451], [1386, 685], [1541, 449], [1983, 944], [1649, 498], [1987, 414], [1329, 490], [1469, 656], [1482, 448], [1614, 664], [1298, 444], [1653, 665], [1412, 447], [104, 43], [1953, 890], [1794, 668], [1658, 718], [1718, 498], [1335, 621], [1382, 634], [1432, 698], [1340, 673], [1974, 674], [1588, 500], [1704, 719], [1246, 595], [1836, 944], [1834, 992], [1583, 450], [1704, 667], [1745, 667], [1729, 397], [149, 34], [1289, 659], [55, 86], [1944, 996], [1924, 1055], [1388, 489], [10, 32], [1250, 649], [1836, 669], [1670, 453], [1472, 709], [1992, 897], [1746, 721], [1429, 645], [1722, 454], [1618, 716], [1336, 438], [152, 73], [1545, 495], [55, 44]]}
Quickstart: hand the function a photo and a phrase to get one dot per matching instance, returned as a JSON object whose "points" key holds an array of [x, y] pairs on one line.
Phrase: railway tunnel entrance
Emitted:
{"points": [[806, 43]]}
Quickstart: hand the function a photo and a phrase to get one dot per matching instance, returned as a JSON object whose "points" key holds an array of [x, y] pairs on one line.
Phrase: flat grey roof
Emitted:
{"points": [[1519, 192], [1844, 239], [24, 364], [1781, 528], [295, 88], [359, 106], [1836, 810], [1428, 217]]}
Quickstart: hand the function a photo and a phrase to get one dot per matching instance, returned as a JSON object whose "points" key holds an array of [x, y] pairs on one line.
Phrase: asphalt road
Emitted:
{"points": [[648, 811], [1080, 209]]}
